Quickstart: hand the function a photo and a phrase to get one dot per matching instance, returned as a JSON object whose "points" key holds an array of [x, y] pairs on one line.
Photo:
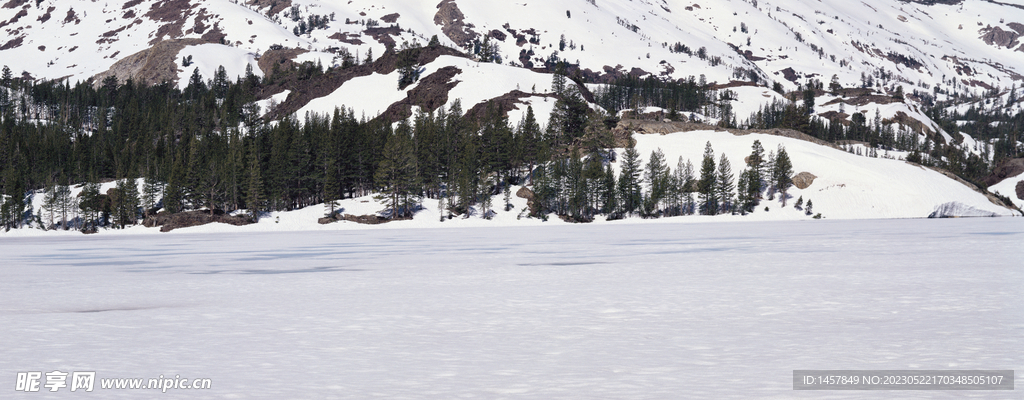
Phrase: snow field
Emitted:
{"points": [[671, 311], [208, 57]]}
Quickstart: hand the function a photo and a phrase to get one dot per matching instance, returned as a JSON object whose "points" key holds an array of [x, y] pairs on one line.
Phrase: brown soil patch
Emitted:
{"points": [[450, 19], [173, 14], [384, 35], [278, 5], [71, 17], [1007, 169], [1020, 190], [22, 13], [16, 42], [390, 18], [169, 222], [803, 180], [349, 38], [15, 3], [430, 94], [790, 74], [502, 104]]}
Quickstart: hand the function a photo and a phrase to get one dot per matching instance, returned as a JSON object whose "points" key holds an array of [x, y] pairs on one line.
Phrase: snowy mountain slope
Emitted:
{"points": [[929, 44]]}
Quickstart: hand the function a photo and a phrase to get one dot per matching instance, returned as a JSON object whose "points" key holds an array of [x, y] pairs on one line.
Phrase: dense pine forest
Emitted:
{"points": [[208, 147]]}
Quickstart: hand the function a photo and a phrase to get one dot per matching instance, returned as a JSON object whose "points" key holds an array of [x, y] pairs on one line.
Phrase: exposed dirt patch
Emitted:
{"points": [[1020, 190], [430, 94], [836, 116], [130, 4], [349, 38], [451, 20], [22, 13], [390, 18], [790, 74], [47, 16], [496, 34], [71, 17], [803, 180], [276, 6], [1007, 169], [15, 3], [384, 35], [169, 222], [750, 56], [502, 104], [152, 66], [173, 14], [16, 42]]}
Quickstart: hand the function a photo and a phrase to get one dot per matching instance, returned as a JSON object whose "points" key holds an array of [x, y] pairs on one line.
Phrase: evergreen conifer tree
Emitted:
{"points": [[724, 187], [706, 184], [397, 174], [657, 176], [630, 196], [782, 173]]}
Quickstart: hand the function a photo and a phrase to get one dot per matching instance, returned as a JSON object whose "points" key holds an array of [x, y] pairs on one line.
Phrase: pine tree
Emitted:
{"points": [[743, 197], [126, 202], [150, 194], [657, 176], [50, 203], [724, 186], [758, 168], [706, 184], [810, 207], [397, 174], [66, 205], [782, 173], [89, 202], [609, 202], [253, 198], [630, 182]]}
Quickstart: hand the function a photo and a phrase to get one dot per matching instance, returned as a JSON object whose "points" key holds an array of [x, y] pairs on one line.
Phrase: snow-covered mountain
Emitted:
{"points": [[861, 55], [968, 46]]}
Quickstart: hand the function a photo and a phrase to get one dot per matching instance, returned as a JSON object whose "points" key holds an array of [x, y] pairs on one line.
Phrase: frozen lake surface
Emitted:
{"points": [[616, 311]]}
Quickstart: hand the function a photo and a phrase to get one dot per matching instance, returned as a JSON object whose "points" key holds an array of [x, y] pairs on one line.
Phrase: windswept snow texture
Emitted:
{"points": [[665, 311]]}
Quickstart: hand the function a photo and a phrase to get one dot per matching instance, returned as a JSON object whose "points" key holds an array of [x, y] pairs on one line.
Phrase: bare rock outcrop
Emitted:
{"points": [[169, 222], [451, 21], [151, 66], [803, 180]]}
